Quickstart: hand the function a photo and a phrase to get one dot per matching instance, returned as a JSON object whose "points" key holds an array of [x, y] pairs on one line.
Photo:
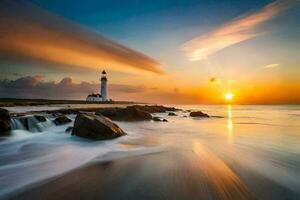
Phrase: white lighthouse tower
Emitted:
{"points": [[104, 86]]}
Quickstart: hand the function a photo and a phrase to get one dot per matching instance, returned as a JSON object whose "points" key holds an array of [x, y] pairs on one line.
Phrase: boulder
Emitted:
{"points": [[96, 127], [172, 114], [125, 114], [153, 108], [62, 120], [158, 119], [5, 125], [69, 129], [198, 114], [40, 118]]}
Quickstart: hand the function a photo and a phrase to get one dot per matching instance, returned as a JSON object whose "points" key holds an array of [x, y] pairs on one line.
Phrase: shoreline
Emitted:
{"points": [[140, 178], [11, 102], [187, 158]]}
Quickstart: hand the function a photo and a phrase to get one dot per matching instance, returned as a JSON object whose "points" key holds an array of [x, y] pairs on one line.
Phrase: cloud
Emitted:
{"points": [[36, 87], [240, 29], [271, 65], [30, 33], [126, 88], [214, 80]]}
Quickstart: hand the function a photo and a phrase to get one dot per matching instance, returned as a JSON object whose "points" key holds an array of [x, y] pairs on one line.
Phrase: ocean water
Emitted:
{"points": [[241, 151]]}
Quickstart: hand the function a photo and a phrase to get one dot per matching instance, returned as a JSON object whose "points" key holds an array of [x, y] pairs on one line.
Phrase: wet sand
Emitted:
{"points": [[170, 174]]}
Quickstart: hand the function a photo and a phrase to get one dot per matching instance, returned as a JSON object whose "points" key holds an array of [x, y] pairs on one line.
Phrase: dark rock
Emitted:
{"points": [[215, 116], [154, 108], [172, 114], [95, 127], [40, 118], [198, 114], [62, 120], [158, 119], [69, 129], [5, 125], [125, 114], [31, 122]]}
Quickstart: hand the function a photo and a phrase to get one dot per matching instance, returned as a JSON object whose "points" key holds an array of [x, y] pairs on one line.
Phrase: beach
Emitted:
{"points": [[240, 152]]}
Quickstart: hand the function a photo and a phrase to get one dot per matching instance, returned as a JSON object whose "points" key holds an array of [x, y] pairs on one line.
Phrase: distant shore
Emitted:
{"points": [[9, 102]]}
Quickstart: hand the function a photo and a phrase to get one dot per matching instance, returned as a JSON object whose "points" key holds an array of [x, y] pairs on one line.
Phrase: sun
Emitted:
{"points": [[228, 96]]}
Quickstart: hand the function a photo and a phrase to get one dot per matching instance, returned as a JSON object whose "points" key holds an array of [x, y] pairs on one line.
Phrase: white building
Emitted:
{"points": [[94, 97], [100, 97]]}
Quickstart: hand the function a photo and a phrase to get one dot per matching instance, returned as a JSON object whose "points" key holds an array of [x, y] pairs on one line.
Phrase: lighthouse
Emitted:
{"points": [[102, 96], [104, 86]]}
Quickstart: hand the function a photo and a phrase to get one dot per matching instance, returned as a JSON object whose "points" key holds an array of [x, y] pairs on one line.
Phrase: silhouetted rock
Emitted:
{"points": [[40, 118], [125, 114], [69, 129], [198, 114], [172, 114], [5, 125], [158, 119], [95, 127], [62, 120], [154, 108], [216, 116]]}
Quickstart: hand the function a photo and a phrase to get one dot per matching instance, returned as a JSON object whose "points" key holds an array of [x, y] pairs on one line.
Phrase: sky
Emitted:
{"points": [[159, 51]]}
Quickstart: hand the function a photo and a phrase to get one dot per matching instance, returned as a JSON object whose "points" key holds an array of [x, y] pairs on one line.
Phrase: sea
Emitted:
{"points": [[240, 152]]}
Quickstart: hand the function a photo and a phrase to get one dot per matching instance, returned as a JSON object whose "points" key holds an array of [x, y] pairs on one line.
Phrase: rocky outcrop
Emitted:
{"points": [[172, 114], [125, 114], [198, 114], [95, 127], [5, 125], [61, 120], [154, 108], [158, 119], [69, 129], [40, 118]]}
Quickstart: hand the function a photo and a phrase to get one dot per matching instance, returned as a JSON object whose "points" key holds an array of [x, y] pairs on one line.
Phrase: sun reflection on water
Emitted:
{"points": [[230, 135], [222, 178]]}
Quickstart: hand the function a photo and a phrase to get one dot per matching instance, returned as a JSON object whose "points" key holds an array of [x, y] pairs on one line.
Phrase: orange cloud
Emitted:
{"points": [[31, 33], [238, 30]]}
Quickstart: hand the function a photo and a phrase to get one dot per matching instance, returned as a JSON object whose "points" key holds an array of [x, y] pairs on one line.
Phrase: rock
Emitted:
{"points": [[96, 127], [172, 114], [69, 129], [198, 114], [158, 119], [40, 118], [125, 114], [215, 116], [154, 108], [5, 125], [62, 120]]}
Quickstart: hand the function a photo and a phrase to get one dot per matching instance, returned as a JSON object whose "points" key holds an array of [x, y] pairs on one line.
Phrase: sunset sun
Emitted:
{"points": [[228, 96]]}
